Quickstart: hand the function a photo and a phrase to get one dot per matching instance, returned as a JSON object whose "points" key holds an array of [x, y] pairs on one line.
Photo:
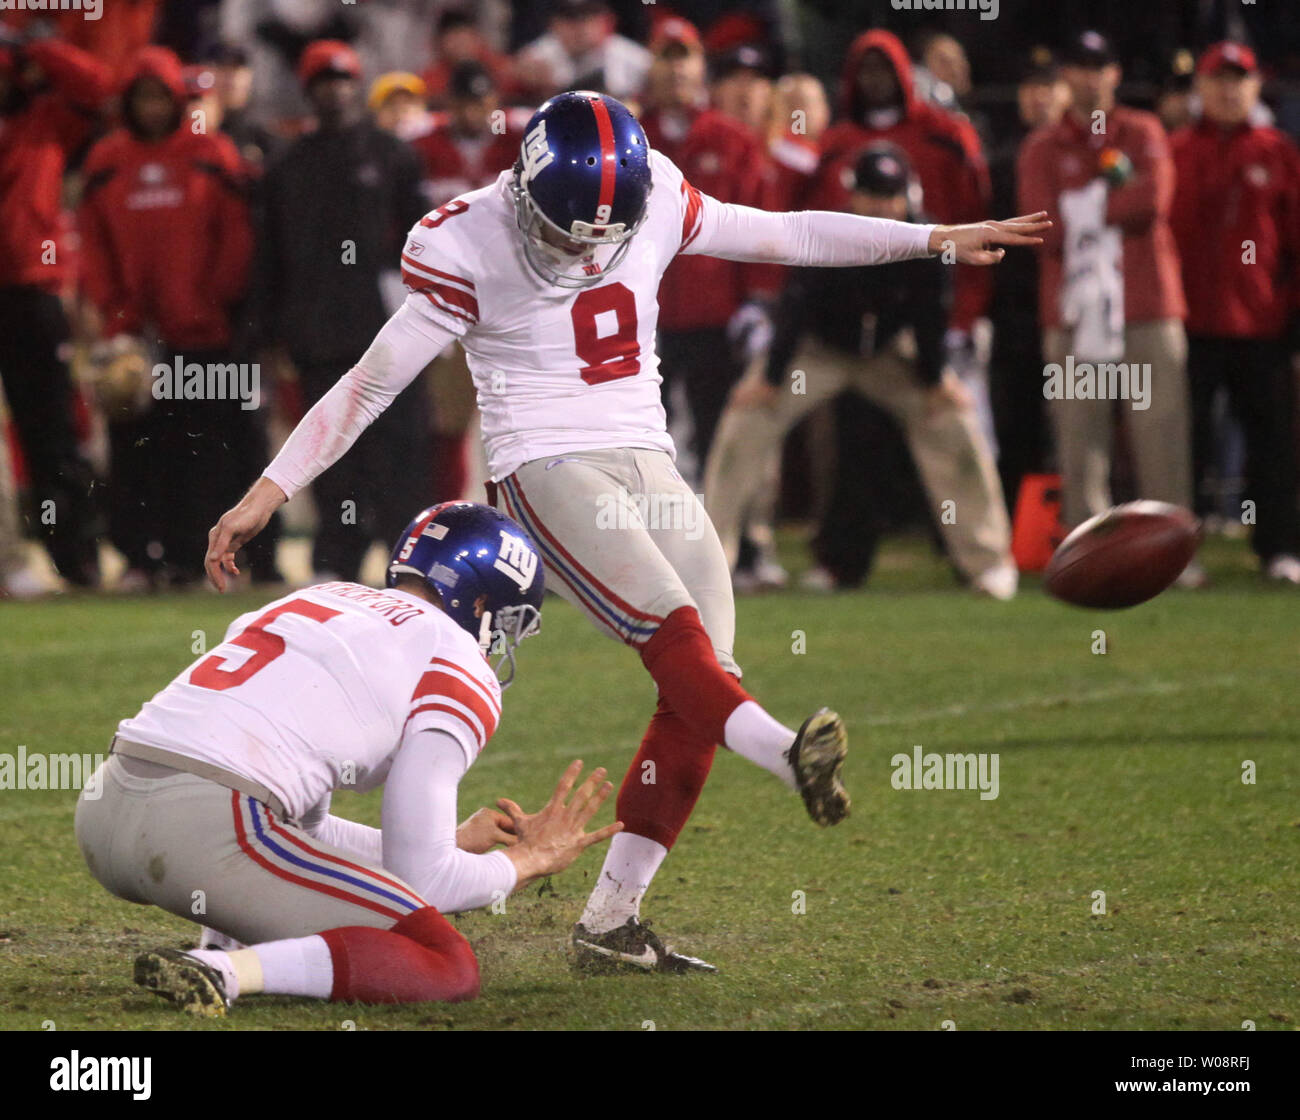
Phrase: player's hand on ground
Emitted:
{"points": [[484, 831], [754, 392], [973, 244], [553, 837], [237, 527]]}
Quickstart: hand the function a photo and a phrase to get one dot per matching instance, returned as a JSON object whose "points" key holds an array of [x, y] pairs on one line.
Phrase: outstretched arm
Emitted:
{"points": [[404, 346], [419, 833], [826, 238]]}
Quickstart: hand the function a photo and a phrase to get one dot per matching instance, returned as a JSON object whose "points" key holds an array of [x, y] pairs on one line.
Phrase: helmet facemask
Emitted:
{"points": [[543, 240], [500, 633]]}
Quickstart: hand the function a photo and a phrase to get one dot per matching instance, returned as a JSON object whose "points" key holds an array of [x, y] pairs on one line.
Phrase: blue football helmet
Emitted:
{"points": [[581, 183], [484, 567]]}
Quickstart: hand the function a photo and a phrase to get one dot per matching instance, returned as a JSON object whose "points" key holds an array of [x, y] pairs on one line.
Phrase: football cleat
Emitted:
{"points": [[817, 758], [632, 947], [184, 981]]}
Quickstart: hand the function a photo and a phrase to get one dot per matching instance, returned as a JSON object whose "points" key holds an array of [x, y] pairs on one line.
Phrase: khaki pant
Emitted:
{"points": [[1159, 434], [207, 854], [950, 452]]}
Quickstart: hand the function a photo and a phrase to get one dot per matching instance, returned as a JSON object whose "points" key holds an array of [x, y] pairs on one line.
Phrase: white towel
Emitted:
{"points": [[1092, 294]]}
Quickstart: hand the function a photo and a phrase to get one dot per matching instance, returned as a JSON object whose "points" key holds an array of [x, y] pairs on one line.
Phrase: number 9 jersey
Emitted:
{"points": [[556, 369]]}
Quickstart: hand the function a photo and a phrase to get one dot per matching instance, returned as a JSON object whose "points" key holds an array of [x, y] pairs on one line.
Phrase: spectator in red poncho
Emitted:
{"points": [[877, 102], [167, 246]]}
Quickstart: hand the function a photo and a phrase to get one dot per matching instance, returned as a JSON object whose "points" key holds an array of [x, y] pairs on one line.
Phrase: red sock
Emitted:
{"points": [[420, 958], [682, 758], [680, 657]]}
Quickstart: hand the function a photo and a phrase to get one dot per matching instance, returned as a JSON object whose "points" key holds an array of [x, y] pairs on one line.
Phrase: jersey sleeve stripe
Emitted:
{"points": [[460, 672], [465, 303], [443, 686], [468, 723], [435, 274], [694, 217], [444, 306]]}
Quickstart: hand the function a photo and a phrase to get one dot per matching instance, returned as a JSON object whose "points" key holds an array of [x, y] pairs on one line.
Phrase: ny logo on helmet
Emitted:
{"points": [[536, 152], [516, 560]]}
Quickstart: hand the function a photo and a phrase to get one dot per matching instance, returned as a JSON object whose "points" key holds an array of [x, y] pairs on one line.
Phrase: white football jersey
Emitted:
{"points": [[318, 690], [556, 369]]}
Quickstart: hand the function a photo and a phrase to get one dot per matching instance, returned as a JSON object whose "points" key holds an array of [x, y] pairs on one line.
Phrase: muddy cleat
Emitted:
{"points": [[817, 758], [182, 980], [630, 947]]}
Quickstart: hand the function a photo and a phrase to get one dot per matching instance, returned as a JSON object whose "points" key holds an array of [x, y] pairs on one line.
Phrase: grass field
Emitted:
{"points": [[1119, 773]]}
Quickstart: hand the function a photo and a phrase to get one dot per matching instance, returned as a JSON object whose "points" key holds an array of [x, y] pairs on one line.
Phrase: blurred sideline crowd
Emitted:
{"points": [[221, 189]]}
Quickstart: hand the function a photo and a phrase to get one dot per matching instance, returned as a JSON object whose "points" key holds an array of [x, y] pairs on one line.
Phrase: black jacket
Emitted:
{"points": [[332, 212], [860, 310]]}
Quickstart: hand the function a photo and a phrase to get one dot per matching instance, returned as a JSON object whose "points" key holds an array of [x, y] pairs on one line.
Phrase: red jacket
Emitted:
{"points": [[794, 162], [113, 38], [34, 145], [719, 156], [453, 165], [165, 228], [1063, 157], [944, 151], [1234, 187]]}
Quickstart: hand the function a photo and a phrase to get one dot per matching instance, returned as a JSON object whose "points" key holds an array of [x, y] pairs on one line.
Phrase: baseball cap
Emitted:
{"points": [[1091, 49], [1228, 56], [1040, 65], [883, 170], [471, 79], [384, 86], [675, 30], [198, 80], [747, 56], [328, 56]]}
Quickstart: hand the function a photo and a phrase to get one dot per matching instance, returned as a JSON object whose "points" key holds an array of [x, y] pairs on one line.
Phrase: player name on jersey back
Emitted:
{"points": [[318, 690]]}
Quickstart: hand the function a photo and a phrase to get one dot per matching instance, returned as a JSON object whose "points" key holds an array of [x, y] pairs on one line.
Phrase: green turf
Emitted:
{"points": [[1118, 773]]}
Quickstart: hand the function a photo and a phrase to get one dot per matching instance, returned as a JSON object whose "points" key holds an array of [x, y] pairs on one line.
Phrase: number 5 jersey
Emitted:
{"points": [[318, 690]]}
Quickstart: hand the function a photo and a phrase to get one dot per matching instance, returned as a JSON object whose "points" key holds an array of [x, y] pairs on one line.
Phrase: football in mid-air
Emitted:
{"points": [[1123, 557]]}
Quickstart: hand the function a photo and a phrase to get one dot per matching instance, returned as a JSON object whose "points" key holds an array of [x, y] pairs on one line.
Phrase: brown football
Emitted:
{"points": [[1123, 557]]}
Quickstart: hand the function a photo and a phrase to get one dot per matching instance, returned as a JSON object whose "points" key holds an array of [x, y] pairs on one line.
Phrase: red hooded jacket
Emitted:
{"points": [[1235, 187], [165, 227], [943, 148], [34, 145], [453, 166]]}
